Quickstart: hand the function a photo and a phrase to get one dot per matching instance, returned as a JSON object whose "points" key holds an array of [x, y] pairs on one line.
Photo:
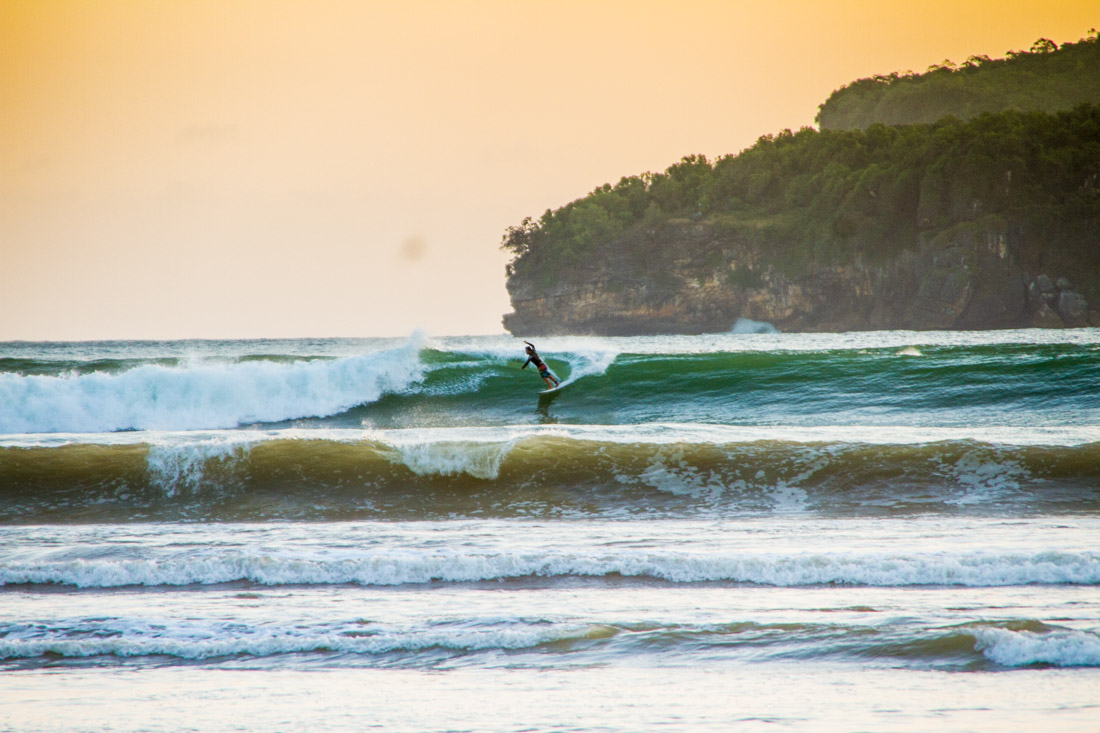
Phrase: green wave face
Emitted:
{"points": [[1007, 385]]}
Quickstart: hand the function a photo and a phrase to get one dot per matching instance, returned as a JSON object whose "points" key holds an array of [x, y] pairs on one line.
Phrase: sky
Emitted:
{"points": [[277, 168]]}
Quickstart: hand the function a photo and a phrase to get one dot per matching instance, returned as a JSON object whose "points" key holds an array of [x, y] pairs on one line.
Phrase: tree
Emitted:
{"points": [[1044, 45], [517, 239]]}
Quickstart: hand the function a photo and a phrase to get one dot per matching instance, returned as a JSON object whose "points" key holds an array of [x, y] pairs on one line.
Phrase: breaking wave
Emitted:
{"points": [[385, 568], [988, 644], [202, 395], [243, 475]]}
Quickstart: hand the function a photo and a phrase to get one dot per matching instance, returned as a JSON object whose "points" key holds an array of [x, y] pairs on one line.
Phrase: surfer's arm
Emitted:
{"points": [[525, 364]]}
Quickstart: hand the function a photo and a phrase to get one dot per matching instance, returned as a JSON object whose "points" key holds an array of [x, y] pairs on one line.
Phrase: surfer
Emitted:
{"points": [[544, 371]]}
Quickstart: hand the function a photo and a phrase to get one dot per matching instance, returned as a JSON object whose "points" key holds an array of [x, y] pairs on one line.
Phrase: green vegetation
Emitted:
{"points": [[1045, 78], [833, 197]]}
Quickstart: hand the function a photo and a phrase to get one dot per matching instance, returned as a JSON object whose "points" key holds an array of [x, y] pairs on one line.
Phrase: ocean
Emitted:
{"points": [[882, 531]]}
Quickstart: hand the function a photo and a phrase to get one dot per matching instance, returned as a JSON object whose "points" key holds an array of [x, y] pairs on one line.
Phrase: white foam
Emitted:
{"points": [[200, 641], [396, 567], [789, 498], [672, 474], [203, 395], [480, 460], [1062, 648], [656, 433], [983, 480], [181, 466]]}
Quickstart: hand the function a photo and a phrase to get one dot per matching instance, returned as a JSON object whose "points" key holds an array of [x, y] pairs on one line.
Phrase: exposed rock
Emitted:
{"points": [[944, 294], [998, 296], [1044, 284], [1041, 291], [1045, 317], [1073, 308], [1063, 284]]}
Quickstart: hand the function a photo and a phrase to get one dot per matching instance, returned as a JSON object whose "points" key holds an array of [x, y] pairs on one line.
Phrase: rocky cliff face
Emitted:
{"points": [[699, 280]]}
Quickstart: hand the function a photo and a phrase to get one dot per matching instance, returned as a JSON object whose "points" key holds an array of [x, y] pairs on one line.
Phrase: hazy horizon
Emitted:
{"points": [[281, 169]]}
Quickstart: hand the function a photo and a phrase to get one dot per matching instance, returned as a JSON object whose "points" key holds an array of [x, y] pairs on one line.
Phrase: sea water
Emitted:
{"points": [[870, 531]]}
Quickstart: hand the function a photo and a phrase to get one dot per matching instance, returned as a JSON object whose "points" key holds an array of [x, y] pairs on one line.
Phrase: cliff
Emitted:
{"points": [[701, 280], [988, 223]]}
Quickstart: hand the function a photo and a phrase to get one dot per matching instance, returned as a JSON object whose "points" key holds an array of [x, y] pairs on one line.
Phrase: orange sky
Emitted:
{"points": [[248, 168]]}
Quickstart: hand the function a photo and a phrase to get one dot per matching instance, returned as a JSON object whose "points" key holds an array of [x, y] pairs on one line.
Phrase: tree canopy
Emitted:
{"points": [[1044, 78]]}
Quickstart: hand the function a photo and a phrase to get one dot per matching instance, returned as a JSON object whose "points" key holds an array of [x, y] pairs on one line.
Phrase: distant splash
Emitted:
{"points": [[747, 325]]}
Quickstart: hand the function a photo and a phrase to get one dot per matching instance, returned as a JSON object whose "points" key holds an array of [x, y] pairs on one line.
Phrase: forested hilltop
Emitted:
{"points": [[989, 222], [1045, 78]]}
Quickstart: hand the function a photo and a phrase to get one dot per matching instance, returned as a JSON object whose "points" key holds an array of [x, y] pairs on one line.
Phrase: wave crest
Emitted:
{"points": [[1061, 648]]}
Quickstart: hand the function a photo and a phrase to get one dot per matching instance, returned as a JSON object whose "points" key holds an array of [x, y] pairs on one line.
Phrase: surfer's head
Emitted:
{"points": [[530, 349]]}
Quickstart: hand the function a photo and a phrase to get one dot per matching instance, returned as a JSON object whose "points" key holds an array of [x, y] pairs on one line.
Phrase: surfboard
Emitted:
{"points": [[562, 385]]}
